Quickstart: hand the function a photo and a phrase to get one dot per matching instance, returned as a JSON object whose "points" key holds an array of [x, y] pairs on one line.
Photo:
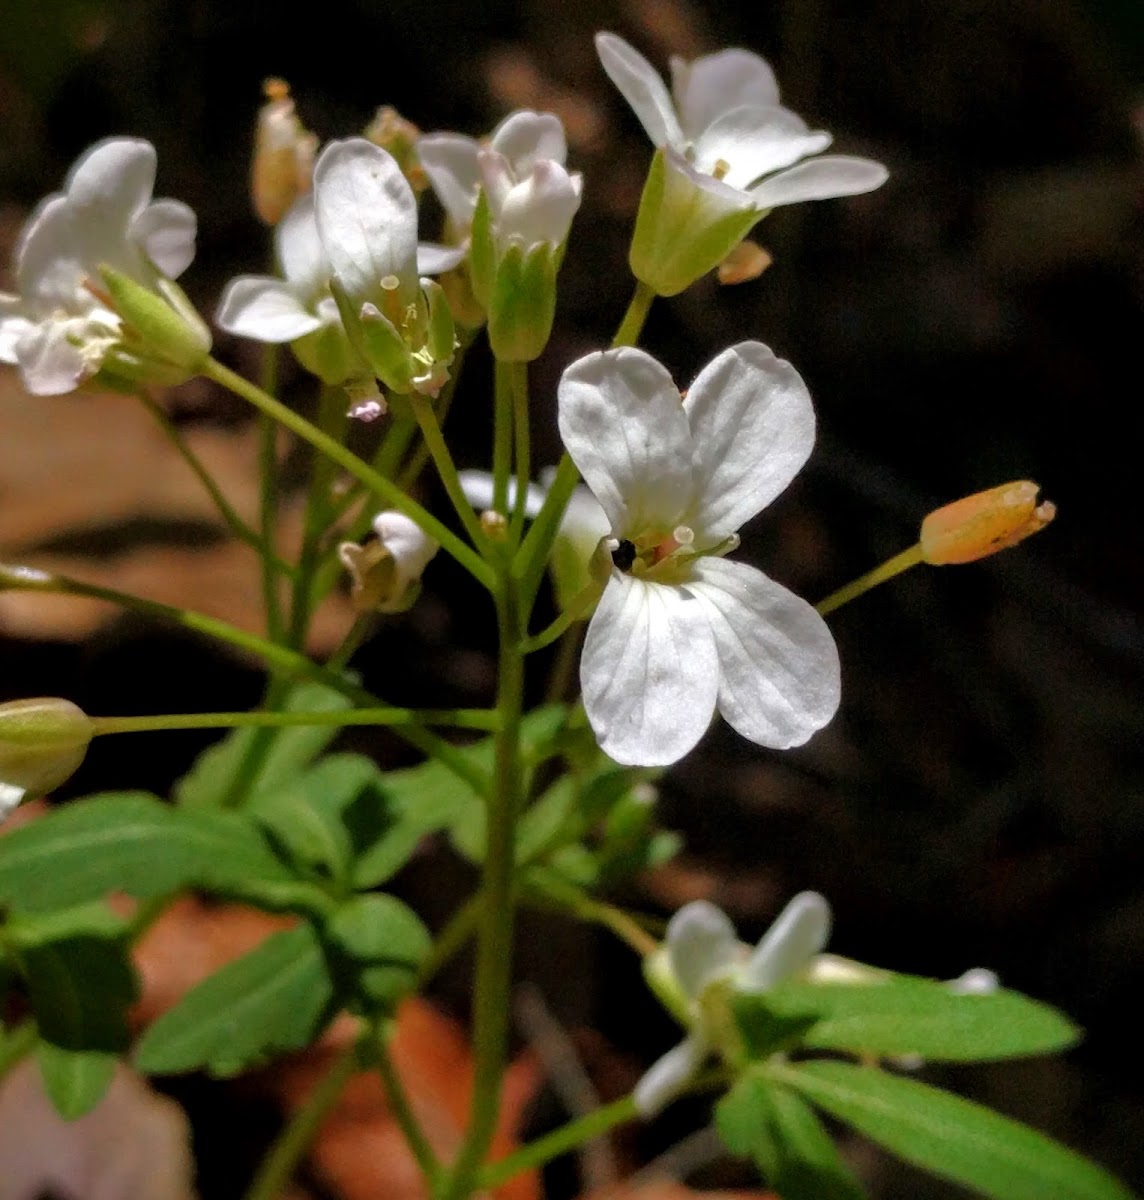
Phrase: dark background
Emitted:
{"points": [[978, 799]]}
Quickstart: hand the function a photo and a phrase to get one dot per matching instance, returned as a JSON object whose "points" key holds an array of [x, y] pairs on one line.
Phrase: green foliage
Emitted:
{"points": [[772, 1125], [275, 999], [383, 943], [983, 1151], [905, 1015], [74, 1080]]}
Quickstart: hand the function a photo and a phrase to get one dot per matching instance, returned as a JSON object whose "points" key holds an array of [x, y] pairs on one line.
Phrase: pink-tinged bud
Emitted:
{"points": [[982, 524], [42, 742], [283, 155], [746, 262]]}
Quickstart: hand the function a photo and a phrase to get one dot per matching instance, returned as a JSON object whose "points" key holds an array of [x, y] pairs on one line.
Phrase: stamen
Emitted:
{"points": [[722, 166], [684, 535], [390, 283]]}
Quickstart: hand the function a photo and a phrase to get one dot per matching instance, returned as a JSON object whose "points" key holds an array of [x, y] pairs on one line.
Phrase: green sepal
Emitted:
{"points": [[482, 252], [679, 236], [441, 337], [171, 333], [385, 350], [523, 303]]}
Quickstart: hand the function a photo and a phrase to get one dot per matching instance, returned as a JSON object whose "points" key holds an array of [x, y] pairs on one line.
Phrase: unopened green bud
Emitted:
{"points": [[688, 223], [42, 743], [523, 303], [164, 328]]}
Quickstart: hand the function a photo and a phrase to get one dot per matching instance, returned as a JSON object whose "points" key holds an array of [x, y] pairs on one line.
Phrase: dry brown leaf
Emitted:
{"points": [[134, 1145]]}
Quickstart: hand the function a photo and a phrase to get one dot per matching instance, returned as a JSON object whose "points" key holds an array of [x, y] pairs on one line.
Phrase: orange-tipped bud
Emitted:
{"points": [[982, 524], [746, 262], [283, 155]]}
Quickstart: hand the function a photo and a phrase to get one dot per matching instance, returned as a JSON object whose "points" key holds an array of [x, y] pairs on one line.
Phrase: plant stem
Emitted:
{"points": [[502, 435], [518, 380], [494, 948], [281, 659], [457, 931], [577, 608], [888, 569], [268, 497], [403, 1112], [277, 1168], [632, 325], [559, 1141], [385, 489], [443, 461], [455, 718]]}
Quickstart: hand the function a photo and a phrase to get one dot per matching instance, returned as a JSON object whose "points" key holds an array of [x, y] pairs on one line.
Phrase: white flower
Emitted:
{"points": [[386, 573], [726, 124], [702, 956], [531, 195], [367, 221], [679, 630], [57, 330], [298, 308]]}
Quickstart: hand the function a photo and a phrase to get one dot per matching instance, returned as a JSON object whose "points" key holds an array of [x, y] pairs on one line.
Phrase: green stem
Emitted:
{"points": [[494, 949], [575, 611], [384, 489], [455, 718], [278, 1167], [268, 497], [888, 569], [280, 659], [518, 379], [359, 631], [443, 460], [632, 325], [563, 666], [403, 1113], [459, 928], [237, 526], [559, 1141], [502, 435]]}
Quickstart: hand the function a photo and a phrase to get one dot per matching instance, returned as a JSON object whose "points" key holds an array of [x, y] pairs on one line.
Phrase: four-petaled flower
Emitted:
{"points": [[729, 154], [680, 630], [61, 328], [702, 957]]}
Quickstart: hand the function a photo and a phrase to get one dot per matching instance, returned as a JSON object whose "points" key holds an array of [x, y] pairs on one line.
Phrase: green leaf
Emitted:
{"points": [[275, 999], [772, 1125], [27, 930], [211, 779], [135, 843], [907, 1015], [382, 944], [75, 1080], [80, 988], [765, 1031], [955, 1139]]}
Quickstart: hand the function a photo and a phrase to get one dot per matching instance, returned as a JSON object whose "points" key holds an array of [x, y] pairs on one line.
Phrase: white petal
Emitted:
{"points": [[106, 190], [450, 161], [779, 671], [798, 933], [434, 259], [539, 209], [408, 544], [50, 365], [478, 489], [367, 218], [641, 86], [756, 141], [265, 309], [716, 83], [166, 231], [48, 270], [649, 672], [13, 326], [668, 1076], [821, 179], [701, 945], [525, 138], [752, 425], [623, 423], [299, 250], [10, 797]]}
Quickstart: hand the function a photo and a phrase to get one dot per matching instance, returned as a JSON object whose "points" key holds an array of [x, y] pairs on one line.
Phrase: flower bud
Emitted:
{"points": [[386, 572], [163, 331], [746, 262], [392, 132], [687, 224], [283, 155], [982, 524], [42, 743], [494, 525]]}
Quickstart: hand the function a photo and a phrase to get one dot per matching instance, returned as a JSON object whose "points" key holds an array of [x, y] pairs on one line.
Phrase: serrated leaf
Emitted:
{"points": [[75, 1080], [135, 843], [954, 1138], [907, 1016], [275, 999], [767, 1122], [288, 751], [382, 944]]}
